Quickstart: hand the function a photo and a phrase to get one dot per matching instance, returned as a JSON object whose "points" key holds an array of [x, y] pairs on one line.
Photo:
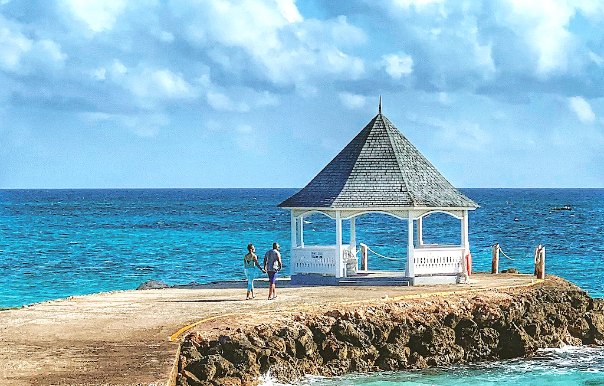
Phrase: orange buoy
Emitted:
{"points": [[469, 263]]}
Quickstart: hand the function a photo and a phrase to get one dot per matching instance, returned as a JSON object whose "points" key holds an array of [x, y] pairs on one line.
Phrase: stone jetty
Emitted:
{"points": [[391, 334]]}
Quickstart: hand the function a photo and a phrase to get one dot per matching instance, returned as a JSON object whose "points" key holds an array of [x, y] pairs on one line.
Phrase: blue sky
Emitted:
{"points": [[264, 93]]}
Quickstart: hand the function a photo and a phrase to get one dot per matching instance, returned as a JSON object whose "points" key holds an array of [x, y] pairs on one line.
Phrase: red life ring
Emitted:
{"points": [[469, 263]]}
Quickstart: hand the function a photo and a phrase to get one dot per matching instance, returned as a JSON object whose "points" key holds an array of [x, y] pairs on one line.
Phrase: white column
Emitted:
{"points": [[302, 231], [353, 235], [410, 271], [292, 268], [339, 262], [420, 232], [465, 242]]}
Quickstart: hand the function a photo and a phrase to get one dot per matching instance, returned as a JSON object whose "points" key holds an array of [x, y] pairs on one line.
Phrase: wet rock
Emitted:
{"points": [[393, 357], [152, 284], [596, 324]]}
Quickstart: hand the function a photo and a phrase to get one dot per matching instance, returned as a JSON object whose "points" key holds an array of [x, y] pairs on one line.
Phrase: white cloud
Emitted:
{"points": [[21, 55], [12, 47], [145, 125], [99, 16], [222, 102], [281, 46], [99, 74], [582, 108], [460, 135], [157, 84], [543, 25], [249, 140], [289, 11], [444, 98], [345, 34], [415, 3], [597, 59], [352, 101], [118, 68], [398, 65]]}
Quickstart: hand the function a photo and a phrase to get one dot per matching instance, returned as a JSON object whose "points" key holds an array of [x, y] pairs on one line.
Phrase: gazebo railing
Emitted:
{"points": [[438, 260], [319, 259]]}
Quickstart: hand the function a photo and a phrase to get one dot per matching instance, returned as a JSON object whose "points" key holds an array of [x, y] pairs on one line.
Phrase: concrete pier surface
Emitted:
{"points": [[123, 337]]}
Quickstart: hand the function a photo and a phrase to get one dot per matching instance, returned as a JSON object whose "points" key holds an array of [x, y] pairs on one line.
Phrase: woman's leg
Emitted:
{"points": [[250, 282]]}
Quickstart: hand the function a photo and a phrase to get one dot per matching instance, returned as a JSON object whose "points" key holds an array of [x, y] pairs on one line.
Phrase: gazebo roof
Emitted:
{"points": [[379, 168]]}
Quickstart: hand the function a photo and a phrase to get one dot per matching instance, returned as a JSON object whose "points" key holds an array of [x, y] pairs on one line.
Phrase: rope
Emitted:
{"points": [[385, 257], [501, 250]]}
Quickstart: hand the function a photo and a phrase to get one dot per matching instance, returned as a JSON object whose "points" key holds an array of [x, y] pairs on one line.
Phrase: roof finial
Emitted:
{"points": [[380, 104]]}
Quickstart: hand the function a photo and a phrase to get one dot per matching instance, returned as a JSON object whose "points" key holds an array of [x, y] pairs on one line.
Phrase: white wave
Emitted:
{"points": [[268, 380]]}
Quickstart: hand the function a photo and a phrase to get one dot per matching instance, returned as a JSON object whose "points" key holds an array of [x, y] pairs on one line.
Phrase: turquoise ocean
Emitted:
{"points": [[59, 243]]}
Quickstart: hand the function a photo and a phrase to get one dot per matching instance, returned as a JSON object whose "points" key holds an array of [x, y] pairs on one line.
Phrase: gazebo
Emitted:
{"points": [[379, 171]]}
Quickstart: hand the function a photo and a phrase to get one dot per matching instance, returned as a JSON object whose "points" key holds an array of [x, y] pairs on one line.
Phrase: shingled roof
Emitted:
{"points": [[379, 168]]}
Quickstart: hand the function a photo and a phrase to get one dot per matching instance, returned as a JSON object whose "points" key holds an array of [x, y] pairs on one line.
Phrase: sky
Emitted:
{"points": [[264, 93]]}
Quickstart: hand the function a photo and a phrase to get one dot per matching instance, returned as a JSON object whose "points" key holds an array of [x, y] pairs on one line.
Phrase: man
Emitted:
{"points": [[272, 264]]}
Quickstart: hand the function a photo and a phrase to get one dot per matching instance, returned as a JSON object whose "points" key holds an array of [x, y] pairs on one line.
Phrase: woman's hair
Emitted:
{"points": [[250, 246]]}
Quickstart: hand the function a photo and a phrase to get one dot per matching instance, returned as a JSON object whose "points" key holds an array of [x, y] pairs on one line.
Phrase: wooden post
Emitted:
{"points": [[537, 259], [292, 268], [495, 261], [363, 257], [540, 262]]}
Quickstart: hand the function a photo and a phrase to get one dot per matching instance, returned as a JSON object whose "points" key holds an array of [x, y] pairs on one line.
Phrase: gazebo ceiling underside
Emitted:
{"points": [[379, 171]]}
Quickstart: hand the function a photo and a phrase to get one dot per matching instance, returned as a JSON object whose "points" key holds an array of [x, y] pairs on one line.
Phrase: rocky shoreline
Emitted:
{"points": [[390, 334]]}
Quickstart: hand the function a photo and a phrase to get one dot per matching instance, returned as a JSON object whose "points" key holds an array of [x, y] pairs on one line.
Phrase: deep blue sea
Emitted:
{"points": [[58, 243]]}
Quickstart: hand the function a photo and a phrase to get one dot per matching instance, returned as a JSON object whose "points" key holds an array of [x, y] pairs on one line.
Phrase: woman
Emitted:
{"points": [[250, 262]]}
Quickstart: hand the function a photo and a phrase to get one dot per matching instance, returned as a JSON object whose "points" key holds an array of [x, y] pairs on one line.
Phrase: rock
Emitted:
{"points": [[187, 378], [515, 343], [393, 357], [339, 367], [332, 349], [227, 381], [510, 270], [436, 340], [347, 332], [400, 335], [277, 344], [579, 328], [152, 284], [203, 369], [451, 320], [188, 354], [305, 345], [596, 324]]}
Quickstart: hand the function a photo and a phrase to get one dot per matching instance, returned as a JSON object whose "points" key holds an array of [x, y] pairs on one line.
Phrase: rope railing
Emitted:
{"points": [[386, 257], [501, 250]]}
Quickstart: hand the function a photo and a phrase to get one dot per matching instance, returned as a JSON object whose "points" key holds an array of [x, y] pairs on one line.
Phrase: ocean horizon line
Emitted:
{"points": [[278, 188]]}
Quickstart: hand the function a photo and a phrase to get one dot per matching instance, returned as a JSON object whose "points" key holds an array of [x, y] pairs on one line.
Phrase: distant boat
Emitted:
{"points": [[565, 207]]}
